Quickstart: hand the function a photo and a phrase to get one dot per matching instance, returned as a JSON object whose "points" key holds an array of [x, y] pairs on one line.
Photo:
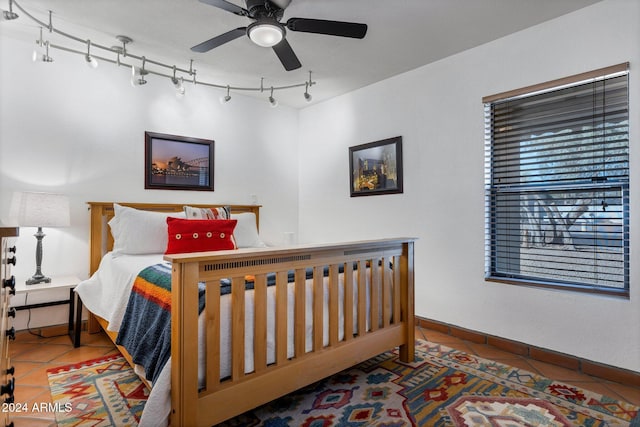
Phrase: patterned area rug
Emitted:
{"points": [[98, 392], [443, 387]]}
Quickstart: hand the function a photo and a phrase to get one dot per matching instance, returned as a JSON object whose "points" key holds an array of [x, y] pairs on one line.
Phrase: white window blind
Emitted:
{"points": [[556, 185]]}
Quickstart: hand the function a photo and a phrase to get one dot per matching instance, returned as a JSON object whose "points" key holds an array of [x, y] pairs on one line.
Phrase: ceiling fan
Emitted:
{"points": [[268, 31]]}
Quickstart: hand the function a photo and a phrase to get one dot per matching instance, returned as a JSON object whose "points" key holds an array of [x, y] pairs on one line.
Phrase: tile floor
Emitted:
{"points": [[32, 356]]}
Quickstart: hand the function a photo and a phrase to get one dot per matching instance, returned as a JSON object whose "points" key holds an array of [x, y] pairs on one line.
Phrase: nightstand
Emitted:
{"points": [[75, 303]]}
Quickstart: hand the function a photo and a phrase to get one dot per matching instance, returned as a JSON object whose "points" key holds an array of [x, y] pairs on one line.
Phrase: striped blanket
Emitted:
{"points": [[146, 327]]}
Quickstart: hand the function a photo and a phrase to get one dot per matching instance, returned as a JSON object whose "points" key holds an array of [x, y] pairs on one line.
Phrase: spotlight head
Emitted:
{"points": [[308, 97], [8, 15], [137, 76], [273, 102], [179, 86], [40, 57], [91, 61], [227, 97]]}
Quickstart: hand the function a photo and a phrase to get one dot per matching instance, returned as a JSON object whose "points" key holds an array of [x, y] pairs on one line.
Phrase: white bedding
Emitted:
{"points": [[106, 294]]}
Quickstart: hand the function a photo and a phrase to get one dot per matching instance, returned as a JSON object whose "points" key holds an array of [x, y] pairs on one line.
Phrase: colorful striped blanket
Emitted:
{"points": [[146, 327]]}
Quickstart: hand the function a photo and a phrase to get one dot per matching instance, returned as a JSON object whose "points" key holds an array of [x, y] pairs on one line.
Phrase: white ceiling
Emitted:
{"points": [[402, 35]]}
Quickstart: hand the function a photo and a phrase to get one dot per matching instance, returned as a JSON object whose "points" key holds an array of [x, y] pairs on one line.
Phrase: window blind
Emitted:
{"points": [[556, 186]]}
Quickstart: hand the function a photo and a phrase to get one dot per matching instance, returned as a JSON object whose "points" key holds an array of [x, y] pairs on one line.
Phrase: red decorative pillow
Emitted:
{"points": [[200, 235]]}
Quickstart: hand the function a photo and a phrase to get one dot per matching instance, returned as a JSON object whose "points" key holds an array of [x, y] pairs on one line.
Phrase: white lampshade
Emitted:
{"points": [[30, 209]]}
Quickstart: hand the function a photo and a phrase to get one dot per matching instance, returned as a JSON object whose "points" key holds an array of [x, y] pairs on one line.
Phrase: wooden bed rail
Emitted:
{"points": [[377, 282]]}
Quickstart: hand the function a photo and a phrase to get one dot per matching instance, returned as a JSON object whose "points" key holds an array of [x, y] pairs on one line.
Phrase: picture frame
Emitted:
{"points": [[376, 167], [178, 162]]}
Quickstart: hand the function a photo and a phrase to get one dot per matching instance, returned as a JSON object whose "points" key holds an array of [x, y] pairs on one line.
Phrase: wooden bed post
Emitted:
{"points": [[407, 350], [184, 344]]}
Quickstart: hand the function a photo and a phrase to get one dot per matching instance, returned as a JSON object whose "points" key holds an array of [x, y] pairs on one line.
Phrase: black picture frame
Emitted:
{"points": [[178, 162], [376, 168]]}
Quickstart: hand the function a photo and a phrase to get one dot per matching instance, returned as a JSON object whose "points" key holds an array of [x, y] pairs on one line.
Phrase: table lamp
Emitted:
{"points": [[40, 210]]}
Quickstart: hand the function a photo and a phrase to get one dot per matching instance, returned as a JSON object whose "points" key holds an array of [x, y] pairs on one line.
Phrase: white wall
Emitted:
{"points": [[67, 128], [437, 109]]}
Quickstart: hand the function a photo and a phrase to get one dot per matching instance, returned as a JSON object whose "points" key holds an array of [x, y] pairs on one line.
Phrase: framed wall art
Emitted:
{"points": [[178, 162], [376, 167]]}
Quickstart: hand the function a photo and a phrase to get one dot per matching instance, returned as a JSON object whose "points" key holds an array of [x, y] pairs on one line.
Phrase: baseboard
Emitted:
{"points": [[588, 367]]}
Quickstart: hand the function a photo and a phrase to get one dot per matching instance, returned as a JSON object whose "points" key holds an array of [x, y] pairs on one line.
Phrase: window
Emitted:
{"points": [[557, 184]]}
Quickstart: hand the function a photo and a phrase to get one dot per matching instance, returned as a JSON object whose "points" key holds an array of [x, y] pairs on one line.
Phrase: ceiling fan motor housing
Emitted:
{"points": [[264, 9]]}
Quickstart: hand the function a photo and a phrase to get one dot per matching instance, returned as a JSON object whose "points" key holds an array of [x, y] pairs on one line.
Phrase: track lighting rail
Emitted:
{"points": [[187, 75]]}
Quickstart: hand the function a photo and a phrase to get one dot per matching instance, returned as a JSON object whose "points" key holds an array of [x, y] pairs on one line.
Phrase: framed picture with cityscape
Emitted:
{"points": [[178, 162], [376, 167]]}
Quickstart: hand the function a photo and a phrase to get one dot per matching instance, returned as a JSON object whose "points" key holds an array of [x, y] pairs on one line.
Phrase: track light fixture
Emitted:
{"points": [[91, 61], [227, 97], [178, 84], [272, 100], [41, 53], [307, 95], [9, 15], [138, 74]]}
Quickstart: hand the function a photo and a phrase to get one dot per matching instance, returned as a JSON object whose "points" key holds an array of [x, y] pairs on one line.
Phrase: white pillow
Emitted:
{"points": [[206, 213], [138, 232], [246, 231]]}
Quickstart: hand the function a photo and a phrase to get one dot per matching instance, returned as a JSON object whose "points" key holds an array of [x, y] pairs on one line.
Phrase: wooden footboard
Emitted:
{"points": [[379, 271]]}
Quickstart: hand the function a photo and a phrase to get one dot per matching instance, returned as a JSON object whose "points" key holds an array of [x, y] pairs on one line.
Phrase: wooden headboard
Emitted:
{"points": [[101, 240]]}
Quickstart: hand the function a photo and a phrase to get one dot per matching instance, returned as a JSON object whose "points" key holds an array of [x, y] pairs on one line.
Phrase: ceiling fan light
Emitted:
{"points": [[266, 34]]}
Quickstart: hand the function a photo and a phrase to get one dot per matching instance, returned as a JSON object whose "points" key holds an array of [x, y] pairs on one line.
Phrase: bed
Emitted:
{"points": [[315, 310]]}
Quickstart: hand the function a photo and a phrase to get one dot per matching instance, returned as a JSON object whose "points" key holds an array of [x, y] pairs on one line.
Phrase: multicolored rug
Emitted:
{"points": [[98, 392], [443, 387]]}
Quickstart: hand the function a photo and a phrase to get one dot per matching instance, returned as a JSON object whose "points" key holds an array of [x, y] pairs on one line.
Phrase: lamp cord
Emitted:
{"points": [[37, 334]]}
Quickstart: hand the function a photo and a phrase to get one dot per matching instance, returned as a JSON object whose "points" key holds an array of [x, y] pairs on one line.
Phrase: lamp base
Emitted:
{"points": [[34, 280], [38, 277]]}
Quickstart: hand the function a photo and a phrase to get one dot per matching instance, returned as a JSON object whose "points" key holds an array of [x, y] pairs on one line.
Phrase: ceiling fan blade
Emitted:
{"points": [[220, 40], [332, 28], [225, 5], [286, 55]]}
